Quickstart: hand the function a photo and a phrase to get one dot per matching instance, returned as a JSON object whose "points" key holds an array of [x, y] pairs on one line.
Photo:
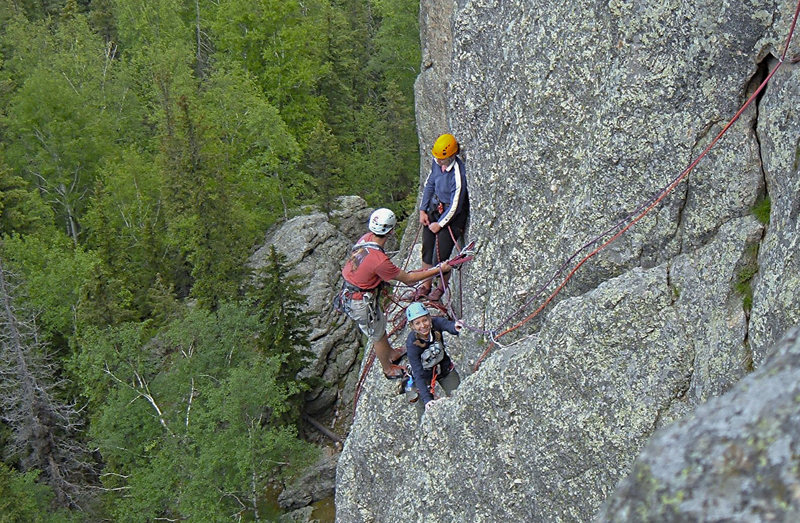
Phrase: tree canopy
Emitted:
{"points": [[145, 148]]}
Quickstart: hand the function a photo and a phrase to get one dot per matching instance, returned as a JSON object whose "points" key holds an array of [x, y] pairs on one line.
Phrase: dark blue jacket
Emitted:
{"points": [[414, 349], [449, 188]]}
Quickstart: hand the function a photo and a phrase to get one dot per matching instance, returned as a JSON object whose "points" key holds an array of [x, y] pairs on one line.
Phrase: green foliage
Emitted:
{"points": [[21, 209], [277, 298], [124, 230], [280, 43], [53, 272], [744, 277], [33, 9], [21, 498], [230, 168], [64, 112], [324, 159], [761, 210], [146, 147], [397, 53], [206, 124], [179, 415]]}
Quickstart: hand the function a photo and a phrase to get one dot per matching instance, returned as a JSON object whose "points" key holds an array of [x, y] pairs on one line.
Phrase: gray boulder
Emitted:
{"points": [[316, 483], [733, 459], [315, 247]]}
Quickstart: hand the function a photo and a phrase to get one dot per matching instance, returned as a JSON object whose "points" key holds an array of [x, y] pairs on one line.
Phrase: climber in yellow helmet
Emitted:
{"points": [[444, 210]]}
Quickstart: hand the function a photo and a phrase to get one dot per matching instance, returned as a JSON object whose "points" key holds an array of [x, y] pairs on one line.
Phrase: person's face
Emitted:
{"points": [[422, 325], [444, 162]]}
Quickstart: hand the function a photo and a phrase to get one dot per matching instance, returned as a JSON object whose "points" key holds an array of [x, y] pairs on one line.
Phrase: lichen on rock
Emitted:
{"points": [[572, 116]]}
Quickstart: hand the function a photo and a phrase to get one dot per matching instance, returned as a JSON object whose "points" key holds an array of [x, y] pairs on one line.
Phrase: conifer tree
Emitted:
{"points": [[280, 304], [21, 210], [44, 430]]}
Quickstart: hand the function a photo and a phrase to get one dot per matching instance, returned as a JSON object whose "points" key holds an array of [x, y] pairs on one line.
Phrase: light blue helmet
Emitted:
{"points": [[416, 310]]}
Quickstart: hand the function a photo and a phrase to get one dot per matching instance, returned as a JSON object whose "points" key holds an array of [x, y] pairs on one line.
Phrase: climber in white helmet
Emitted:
{"points": [[365, 272]]}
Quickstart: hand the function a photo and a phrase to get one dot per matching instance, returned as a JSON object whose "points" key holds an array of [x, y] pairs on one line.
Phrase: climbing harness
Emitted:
{"points": [[433, 353], [367, 314]]}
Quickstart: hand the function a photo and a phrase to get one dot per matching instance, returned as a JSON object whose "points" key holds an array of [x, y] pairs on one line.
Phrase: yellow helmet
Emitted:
{"points": [[446, 145]]}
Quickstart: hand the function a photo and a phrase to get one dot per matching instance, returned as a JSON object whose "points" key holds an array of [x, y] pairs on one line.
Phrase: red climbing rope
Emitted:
{"points": [[460, 288], [659, 197]]}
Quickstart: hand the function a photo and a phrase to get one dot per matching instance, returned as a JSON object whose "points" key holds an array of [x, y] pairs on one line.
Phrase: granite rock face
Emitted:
{"points": [[547, 426], [734, 459], [573, 117], [432, 85], [776, 300]]}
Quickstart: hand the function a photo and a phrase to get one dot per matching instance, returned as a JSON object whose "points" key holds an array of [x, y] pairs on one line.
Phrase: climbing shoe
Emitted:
{"points": [[397, 359], [436, 294], [421, 293], [396, 373]]}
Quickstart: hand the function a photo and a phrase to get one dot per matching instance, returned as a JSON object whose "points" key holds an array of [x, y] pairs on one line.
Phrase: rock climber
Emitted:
{"points": [[427, 356], [444, 210], [365, 272]]}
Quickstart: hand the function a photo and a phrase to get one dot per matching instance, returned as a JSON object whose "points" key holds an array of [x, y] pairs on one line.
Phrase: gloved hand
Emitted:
{"points": [[459, 325]]}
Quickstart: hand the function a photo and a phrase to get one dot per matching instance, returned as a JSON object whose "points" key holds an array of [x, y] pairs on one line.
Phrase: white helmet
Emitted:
{"points": [[382, 221]]}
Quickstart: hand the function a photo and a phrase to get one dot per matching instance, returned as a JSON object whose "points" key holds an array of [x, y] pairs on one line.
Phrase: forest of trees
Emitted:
{"points": [[145, 149]]}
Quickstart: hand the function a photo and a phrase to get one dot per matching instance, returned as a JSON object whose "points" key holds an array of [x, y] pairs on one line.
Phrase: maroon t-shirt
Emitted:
{"points": [[372, 266]]}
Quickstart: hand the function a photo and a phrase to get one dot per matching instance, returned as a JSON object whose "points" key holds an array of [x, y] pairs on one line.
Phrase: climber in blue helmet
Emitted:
{"points": [[427, 356]]}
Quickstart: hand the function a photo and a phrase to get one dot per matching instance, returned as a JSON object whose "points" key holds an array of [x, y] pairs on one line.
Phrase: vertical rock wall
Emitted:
{"points": [[573, 114], [776, 301]]}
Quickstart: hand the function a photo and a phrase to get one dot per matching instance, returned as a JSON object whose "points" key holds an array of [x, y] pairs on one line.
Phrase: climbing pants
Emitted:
{"points": [[437, 247], [368, 315]]}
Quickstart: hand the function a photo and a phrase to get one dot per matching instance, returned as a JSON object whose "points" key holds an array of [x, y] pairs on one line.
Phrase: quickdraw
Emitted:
{"points": [[466, 254]]}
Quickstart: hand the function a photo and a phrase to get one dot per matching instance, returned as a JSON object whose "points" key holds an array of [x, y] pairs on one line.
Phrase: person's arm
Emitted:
{"points": [[427, 191], [424, 219], [413, 277], [443, 324]]}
